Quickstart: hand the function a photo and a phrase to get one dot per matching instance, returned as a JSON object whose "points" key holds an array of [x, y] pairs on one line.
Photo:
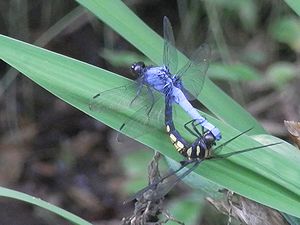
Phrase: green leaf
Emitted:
{"points": [[120, 18], [269, 176], [187, 209], [235, 72], [246, 10], [294, 4], [248, 14], [123, 58], [136, 171], [38, 202], [287, 30], [292, 220], [259, 174], [281, 73]]}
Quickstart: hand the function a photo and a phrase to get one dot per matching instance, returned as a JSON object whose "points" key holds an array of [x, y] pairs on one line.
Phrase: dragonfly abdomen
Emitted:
{"points": [[197, 150], [186, 105], [178, 142]]}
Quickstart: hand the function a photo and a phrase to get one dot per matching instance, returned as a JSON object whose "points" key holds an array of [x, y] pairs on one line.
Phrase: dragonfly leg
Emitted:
{"points": [[139, 89], [224, 156], [219, 148], [194, 133], [151, 96], [194, 125]]}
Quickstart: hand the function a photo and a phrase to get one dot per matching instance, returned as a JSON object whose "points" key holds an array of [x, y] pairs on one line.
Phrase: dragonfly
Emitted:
{"points": [[145, 95], [202, 148]]}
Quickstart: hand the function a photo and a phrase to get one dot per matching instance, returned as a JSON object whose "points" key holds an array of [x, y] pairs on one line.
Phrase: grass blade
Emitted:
{"points": [[120, 18], [269, 176], [5, 192]]}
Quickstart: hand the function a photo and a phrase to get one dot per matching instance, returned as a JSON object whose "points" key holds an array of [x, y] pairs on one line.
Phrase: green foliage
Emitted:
{"points": [[234, 72], [137, 172], [268, 176], [123, 58], [38, 202], [295, 5], [149, 43], [75, 82], [287, 30], [246, 10], [281, 73], [187, 209]]}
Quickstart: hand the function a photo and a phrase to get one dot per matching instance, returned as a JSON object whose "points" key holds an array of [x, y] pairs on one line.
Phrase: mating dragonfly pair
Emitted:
{"points": [[159, 87]]}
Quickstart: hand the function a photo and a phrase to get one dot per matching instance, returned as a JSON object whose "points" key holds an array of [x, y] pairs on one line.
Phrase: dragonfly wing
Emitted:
{"points": [[133, 99], [146, 118], [187, 94], [194, 72], [155, 191], [170, 53], [113, 99]]}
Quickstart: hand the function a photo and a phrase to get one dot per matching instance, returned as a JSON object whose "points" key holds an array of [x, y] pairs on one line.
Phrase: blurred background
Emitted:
{"points": [[52, 151]]}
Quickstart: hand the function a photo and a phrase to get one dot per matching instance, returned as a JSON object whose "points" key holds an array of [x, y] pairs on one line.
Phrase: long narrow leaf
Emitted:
{"points": [[295, 5], [38, 202], [120, 18], [269, 176]]}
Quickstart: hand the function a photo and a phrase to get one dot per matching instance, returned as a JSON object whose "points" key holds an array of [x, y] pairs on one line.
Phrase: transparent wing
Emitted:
{"points": [[170, 53], [141, 102], [187, 94], [147, 118], [118, 99], [154, 192], [193, 73], [157, 190]]}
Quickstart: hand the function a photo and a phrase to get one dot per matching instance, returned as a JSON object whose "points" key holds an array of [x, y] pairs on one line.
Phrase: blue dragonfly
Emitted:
{"points": [[152, 82]]}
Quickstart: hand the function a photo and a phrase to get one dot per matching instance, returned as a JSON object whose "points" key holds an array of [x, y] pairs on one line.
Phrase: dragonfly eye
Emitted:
{"points": [[137, 68]]}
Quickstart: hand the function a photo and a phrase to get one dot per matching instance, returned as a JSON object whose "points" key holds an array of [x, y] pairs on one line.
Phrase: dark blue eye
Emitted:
{"points": [[138, 67]]}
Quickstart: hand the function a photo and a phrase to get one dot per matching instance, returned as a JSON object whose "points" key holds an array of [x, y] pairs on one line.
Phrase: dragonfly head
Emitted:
{"points": [[137, 68]]}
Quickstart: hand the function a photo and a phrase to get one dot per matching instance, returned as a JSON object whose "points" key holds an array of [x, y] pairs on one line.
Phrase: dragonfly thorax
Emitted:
{"points": [[201, 148], [157, 77]]}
